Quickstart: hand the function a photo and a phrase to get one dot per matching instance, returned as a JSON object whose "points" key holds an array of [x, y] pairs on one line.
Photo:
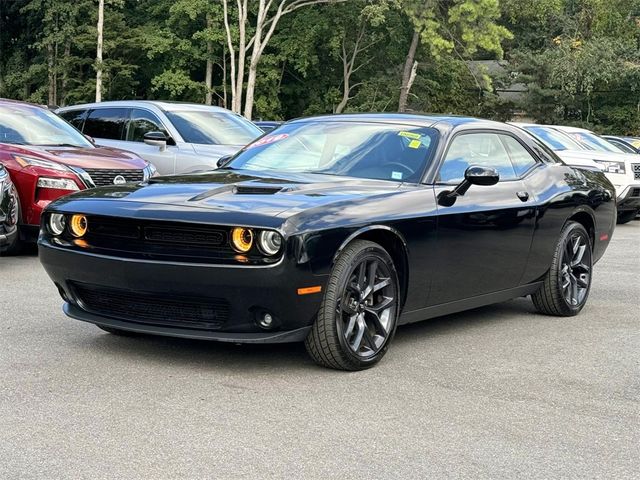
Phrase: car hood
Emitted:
{"points": [[101, 157], [215, 151], [597, 155], [233, 194]]}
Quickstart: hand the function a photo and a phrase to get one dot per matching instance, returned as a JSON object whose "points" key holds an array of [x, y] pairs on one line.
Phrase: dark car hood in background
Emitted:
{"points": [[101, 157], [244, 192]]}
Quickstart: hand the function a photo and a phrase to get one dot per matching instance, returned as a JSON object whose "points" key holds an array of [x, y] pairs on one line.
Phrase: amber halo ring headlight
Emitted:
{"points": [[78, 225], [241, 239], [269, 242], [57, 222]]}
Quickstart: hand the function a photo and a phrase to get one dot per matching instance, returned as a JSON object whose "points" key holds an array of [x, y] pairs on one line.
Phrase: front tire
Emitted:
{"points": [[358, 315], [566, 286]]}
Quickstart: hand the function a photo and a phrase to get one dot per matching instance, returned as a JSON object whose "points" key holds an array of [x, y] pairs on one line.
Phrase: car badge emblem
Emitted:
{"points": [[119, 180]]}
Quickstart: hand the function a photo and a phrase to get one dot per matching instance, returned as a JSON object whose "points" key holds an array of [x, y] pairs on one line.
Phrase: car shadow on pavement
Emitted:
{"points": [[256, 357]]}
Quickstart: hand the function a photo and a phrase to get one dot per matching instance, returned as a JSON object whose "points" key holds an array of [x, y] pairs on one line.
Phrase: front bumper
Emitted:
{"points": [[247, 293], [629, 198]]}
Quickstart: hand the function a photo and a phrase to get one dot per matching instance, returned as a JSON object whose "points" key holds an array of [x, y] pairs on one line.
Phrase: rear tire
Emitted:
{"points": [[626, 216], [567, 283], [358, 315]]}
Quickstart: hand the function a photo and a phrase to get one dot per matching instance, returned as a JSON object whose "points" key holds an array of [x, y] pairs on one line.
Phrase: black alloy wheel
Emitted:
{"points": [[359, 312], [576, 269], [566, 286], [367, 307]]}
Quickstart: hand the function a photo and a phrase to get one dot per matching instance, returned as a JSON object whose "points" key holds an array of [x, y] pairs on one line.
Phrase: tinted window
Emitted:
{"points": [[520, 158], [106, 123], [74, 117], [213, 127], [143, 122], [363, 150], [483, 149]]}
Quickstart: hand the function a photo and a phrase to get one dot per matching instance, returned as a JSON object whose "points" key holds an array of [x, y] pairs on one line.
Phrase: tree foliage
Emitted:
{"points": [[577, 59]]}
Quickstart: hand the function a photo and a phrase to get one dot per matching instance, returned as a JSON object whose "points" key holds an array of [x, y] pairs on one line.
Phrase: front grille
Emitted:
{"points": [[103, 177], [184, 236], [636, 170], [153, 308]]}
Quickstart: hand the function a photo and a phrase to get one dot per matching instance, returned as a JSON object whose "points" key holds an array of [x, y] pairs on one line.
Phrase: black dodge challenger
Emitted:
{"points": [[334, 231]]}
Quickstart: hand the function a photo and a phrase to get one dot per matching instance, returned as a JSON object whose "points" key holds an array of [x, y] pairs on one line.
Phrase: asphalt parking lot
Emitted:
{"points": [[496, 392]]}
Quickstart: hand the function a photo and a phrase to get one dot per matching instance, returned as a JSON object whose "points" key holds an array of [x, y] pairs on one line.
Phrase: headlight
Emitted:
{"points": [[149, 171], [269, 242], [39, 162], [78, 225], [57, 222], [57, 183], [612, 167], [241, 239]]}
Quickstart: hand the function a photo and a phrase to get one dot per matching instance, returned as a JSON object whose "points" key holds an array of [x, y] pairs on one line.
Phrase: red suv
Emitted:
{"points": [[47, 158]]}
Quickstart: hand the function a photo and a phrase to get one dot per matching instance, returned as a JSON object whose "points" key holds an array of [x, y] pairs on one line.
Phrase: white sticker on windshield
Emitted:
{"points": [[396, 175]]}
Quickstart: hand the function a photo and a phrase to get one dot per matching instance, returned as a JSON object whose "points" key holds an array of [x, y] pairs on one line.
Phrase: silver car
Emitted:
{"points": [[175, 137]]}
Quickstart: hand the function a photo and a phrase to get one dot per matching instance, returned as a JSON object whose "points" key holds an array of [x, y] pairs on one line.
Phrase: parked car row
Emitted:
{"points": [[617, 157], [47, 158], [329, 230]]}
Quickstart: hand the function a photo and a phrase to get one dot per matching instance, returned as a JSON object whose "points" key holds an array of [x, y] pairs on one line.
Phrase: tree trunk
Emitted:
{"points": [[242, 43], [209, 72], [224, 77], [232, 53], [51, 98], [251, 86], [62, 98], [410, 65], [99, 52]]}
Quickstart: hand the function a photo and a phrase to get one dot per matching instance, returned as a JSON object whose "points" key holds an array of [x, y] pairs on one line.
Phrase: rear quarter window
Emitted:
{"points": [[74, 117], [107, 123]]}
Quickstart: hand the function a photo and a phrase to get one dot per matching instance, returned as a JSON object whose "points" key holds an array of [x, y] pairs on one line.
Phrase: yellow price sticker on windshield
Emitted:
{"points": [[415, 136], [415, 144]]}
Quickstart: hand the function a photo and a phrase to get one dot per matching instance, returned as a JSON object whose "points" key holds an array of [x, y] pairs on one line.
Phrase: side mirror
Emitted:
{"points": [[486, 176], [222, 161], [156, 139], [90, 138], [473, 175]]}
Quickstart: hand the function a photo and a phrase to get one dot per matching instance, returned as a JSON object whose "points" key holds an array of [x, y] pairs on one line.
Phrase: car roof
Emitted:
{"points": [[405, 118], [566, 128], [162, 105], [18, 104]]}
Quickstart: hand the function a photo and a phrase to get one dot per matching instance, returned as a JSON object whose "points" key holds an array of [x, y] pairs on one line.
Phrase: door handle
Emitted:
{"points": [[524, 196]]}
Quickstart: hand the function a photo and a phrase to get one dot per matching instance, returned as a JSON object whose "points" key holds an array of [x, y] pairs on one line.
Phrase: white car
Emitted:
{"points": [[175, 137], [581, 147]]}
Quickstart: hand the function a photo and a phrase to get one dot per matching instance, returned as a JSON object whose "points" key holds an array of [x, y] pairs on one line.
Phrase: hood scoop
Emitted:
{"points": [[256, 190], [237, 190]]}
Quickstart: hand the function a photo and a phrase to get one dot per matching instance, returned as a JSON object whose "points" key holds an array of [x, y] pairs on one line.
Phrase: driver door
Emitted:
{"points": [[485, 236]]}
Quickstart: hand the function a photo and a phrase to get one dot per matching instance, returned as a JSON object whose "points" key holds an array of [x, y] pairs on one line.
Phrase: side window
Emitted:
{"points": [[143, 122], [74, 117], [106, 123], [520, 157], [484, 149]]}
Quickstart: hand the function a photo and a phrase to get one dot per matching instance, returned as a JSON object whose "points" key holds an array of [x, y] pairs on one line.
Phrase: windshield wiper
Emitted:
{"points": [[59, 145]]}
